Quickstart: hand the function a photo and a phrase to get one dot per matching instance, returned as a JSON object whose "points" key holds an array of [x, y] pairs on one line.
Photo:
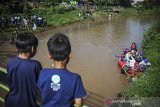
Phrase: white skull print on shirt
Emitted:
{"points": [[55, 85]]}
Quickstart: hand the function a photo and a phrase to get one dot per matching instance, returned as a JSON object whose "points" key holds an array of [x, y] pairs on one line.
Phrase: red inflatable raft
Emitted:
{"points": [[126, 69]]}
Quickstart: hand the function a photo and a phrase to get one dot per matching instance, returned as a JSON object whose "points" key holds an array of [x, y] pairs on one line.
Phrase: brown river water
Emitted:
{"points": [[94, 44]]}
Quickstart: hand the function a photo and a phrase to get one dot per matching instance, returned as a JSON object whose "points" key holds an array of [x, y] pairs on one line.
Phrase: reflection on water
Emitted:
{"points": [[93, 47]]}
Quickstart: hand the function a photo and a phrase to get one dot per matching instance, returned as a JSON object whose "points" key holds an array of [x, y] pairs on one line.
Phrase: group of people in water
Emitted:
{"points": [[132, 61]]}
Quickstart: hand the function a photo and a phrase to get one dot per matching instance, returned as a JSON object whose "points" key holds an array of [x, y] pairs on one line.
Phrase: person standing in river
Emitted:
{"points": [[23, 73]]}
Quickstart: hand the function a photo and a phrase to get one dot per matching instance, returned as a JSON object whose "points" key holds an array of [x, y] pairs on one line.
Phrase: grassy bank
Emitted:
{"points": [[141, 11], [60, 15], [148, 84]]}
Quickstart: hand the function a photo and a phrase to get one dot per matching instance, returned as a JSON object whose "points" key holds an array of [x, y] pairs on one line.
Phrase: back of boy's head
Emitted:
{"points": [[59, 47], [25, 41]]}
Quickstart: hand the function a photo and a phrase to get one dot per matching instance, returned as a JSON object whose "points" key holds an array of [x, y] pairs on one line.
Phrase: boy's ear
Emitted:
{"points": [[33, 49], [70, 56], [49, 56]]}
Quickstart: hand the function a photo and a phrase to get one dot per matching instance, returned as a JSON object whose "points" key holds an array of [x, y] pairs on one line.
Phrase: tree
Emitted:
{"points": [[101, 3], [125, 3], [12, 6], [113, 2], [151, 3], [50, 2]]}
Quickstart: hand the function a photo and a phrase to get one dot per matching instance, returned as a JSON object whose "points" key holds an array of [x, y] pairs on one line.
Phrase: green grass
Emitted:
{"points": [[59, 19], [129, 11]]}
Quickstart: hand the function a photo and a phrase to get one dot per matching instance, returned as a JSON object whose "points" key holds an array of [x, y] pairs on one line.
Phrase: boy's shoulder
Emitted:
{"points": [[34, 61], [59, 71], [17, 59]]}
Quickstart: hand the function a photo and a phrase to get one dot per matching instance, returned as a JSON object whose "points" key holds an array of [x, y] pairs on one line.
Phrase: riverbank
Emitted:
{"points": [[140, 11], [54, 21], [147, 88]]}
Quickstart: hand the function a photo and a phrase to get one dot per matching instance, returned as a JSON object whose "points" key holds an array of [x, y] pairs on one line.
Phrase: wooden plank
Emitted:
{"points": [[1, 99], [4, 87], [3, 70]]}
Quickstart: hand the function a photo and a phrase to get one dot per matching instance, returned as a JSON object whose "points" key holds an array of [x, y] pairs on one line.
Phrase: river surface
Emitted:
{"points": [[93, 47]]}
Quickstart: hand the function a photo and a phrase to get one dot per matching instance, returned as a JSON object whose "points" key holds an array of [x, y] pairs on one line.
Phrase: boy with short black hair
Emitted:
{"points": [[59, 86], [23, 73]]}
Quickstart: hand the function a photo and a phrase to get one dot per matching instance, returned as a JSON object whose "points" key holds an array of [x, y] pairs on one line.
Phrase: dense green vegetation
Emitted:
{"points": [[148, 84], [16, 6], [58, 15]]}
